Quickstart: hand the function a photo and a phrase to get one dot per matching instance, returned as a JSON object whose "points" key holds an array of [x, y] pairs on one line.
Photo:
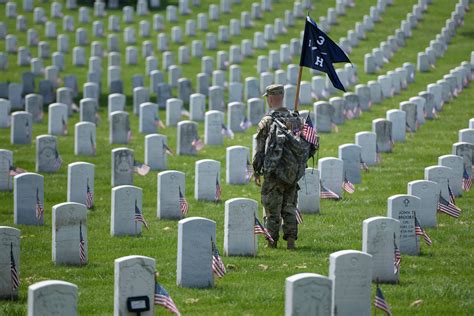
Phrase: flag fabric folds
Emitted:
{"points": [[227, 132], [217, 197], [15, 279], [141, 168], [380, 302], [309, 133], [57, 161], [248, 170], [183, 204], [452, 199], [167, 150], [320, 52], [260, 230], [15, 171], [39, 206], [397, 257], [245, 124], [64, 126], [89, 196], [448, 207], [82, 250], [348, 186], [162, 298], [419, 231], [328, 194], [217, 264], [299, 216], [197, 144], [466, 181], [139, 216], [93, 147]]}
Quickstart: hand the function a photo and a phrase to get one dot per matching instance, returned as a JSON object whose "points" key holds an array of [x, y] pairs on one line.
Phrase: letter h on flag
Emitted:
{"points": [[320, 52]]}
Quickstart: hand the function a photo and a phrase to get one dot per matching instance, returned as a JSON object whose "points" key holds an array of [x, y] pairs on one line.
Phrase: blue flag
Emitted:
{"points": [[320, 52]]}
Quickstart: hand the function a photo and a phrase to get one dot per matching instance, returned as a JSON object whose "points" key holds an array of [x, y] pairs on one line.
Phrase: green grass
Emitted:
{"points": [[441, 276]]}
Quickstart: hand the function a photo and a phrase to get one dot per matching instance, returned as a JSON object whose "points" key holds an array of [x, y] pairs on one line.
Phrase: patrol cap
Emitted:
{"points": [[274, 89]]}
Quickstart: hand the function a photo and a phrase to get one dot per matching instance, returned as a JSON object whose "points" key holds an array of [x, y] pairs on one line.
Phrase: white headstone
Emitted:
{"points": [[207, 179], [239, 222], [69, 225], [195, 237], [80, 183], [308, 294], [27, 195], [122, 167], [379, 237], [52, 298], [351, 272], [125, 200], [403, 208], [428, 192], [133, 276]]}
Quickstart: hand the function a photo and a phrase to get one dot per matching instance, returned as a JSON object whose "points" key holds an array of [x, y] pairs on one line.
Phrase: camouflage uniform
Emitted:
{"points": [[278, 198]]}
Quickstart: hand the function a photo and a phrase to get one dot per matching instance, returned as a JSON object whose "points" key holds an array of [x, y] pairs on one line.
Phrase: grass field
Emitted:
{"points": [[442, 276]]}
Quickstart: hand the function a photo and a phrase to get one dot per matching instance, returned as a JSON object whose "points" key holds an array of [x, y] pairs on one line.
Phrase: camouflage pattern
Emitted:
{"points": [[274, 89], [278, 198]]}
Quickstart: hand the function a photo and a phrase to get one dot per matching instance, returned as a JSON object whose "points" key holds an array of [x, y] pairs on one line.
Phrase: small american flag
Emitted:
{"points": [[245, 124], [227, 132], [363, 165], [27, 129], [93, 147], [348, 186], [328, 194], [248, 170], [397, 256], [197, 144], [448, 207], [452, 199], [378, 156], [466, 181], [129, 135], [162, 298], [139, 216], [309, 133], [185, 113], [349, 114], [380, 303], [419, 231], [159, 122], [15, 279], [64, 126], [218, 190], [167, 150], [258, 229], [183, 204], [57, 161], [141, 168], [15, 171], [217, 265], [299, 216], [82, 250], [89, 196], [39, 206]]}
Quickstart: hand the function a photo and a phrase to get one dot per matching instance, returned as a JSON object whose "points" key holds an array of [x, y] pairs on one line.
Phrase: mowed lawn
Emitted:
{"points": [[440, 280]]}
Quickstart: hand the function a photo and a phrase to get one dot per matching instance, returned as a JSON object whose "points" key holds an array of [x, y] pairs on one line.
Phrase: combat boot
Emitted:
{"points": [[290, 243]]}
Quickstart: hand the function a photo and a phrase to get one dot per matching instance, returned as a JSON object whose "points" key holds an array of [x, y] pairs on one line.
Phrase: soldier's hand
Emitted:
{"points": [[257, 180]]}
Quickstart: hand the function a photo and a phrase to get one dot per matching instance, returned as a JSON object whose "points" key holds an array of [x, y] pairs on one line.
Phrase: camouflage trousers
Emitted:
{"points": [[279, 202]]}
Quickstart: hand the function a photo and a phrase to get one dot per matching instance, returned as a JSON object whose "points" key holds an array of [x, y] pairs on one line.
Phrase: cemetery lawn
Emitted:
{"points": [[438, 282]]}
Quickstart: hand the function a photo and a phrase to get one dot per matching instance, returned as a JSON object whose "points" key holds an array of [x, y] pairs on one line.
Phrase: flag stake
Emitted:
{"points": [[300, 73]]}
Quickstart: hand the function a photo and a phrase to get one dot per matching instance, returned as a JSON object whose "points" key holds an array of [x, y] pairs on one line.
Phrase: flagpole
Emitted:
{"points": [[300, 74]]}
